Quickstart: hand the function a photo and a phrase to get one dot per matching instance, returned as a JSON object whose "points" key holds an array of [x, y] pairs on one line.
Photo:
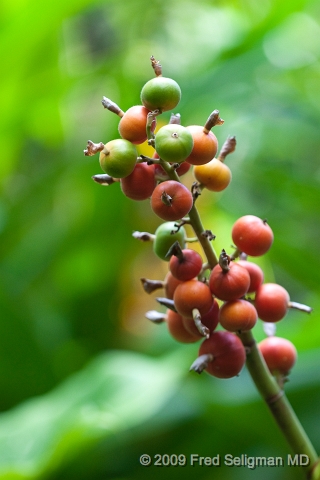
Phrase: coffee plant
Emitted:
{"points": [[203, 292]]}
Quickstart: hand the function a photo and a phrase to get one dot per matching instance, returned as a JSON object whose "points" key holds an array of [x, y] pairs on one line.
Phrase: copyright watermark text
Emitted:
{"points": [[228, 460]]}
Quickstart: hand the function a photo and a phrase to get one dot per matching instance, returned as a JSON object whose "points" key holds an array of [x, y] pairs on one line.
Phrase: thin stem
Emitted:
{"points": [[204, 240], [171, 172], [151, 120], [278, 403], [192, 239], [235, 254]]}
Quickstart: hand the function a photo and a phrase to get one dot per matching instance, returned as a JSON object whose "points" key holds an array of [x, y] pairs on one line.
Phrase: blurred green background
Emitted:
{"points": [[87, 384]]}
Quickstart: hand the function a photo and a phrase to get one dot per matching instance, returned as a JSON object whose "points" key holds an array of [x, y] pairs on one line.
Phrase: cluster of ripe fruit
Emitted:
{"points": [[232, 295], [226, 291]]}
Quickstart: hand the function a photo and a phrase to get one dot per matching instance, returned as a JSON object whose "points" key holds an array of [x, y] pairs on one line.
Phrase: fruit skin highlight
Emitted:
{"points": [[160, 93]]}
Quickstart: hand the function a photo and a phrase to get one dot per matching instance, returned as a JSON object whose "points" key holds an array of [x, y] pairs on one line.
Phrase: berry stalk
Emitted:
{"points": [[279, 406]]}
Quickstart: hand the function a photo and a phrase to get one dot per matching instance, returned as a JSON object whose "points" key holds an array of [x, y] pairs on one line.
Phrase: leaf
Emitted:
{"points": [[114, 393]]}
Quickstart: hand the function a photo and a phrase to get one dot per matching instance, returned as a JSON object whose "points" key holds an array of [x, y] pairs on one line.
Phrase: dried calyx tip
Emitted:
{"points": [[143, 236], [155, 317], [175, 119], [112, 106], [209, 235], [150, 286], [213, 120], [167, 302], [103, 179], [201, 363], [156, 66], [176, 250], [228, 147], [93, 148], [224, 261]]}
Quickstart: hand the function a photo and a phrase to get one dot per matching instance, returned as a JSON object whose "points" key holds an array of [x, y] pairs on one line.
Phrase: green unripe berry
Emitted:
{"points": [[164, 239], [160, 93], [118, 158], [173, 143]]}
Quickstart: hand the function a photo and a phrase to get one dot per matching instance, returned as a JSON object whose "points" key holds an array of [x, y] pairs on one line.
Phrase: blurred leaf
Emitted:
{"points": [[113, 394]]}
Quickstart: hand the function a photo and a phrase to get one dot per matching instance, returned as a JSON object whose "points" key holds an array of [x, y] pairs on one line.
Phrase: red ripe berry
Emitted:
{"points": [[132, 125], [170, 284], [209, 320], [140, 184], [231, 284], [252, 235], [238, 315], [279, 354], [187, 266], [229, 355], [271, 302], [178, 330], [255, 272], [191, 295], [205, 145], [171, 200]]}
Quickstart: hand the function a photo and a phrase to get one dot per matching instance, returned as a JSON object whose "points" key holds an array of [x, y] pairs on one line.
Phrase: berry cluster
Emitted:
{"points": [[200, 294]]}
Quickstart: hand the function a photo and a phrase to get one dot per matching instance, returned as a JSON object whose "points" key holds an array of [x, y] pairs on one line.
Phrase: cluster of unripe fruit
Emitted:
{"points": [[226, 291]]}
